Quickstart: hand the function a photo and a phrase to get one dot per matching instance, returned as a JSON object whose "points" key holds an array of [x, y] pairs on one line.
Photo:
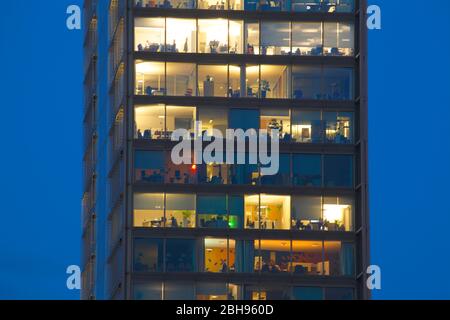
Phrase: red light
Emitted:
{"points": [[194, 167]]}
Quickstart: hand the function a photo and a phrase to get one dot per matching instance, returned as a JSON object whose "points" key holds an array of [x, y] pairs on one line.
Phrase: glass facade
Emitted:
{"points": [[208, 230]]}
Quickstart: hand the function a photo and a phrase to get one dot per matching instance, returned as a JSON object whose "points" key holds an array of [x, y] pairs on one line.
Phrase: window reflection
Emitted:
{"points": [[307, 38], [275, 38]]}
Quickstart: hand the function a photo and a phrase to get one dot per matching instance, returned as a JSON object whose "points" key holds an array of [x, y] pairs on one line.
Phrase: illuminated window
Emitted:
{"points": [[150, 122], [219, 255], [339, 39], [307, 258], [306, 126], [213, 4], [149, 34], [180, 79], [267, 212], [235, 36], [338, 127], [274, 82], [307, 38], [338, 214], [213, 80], [150, 78], [180, 210], [181, 35], [252, 37], [274, 256], [148, 210], [275, 38], [212, 35]]}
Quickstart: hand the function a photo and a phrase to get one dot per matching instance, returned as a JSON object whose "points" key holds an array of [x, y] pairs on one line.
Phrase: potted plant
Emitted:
{"points": [[265, 86], [186, 217]]}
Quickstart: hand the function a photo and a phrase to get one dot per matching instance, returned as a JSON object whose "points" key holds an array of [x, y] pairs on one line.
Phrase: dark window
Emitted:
{"points": [[307, 169], [338, 171]]}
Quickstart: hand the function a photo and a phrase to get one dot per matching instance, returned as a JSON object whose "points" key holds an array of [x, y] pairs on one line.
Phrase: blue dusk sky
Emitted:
{"points": [[409, 124]]}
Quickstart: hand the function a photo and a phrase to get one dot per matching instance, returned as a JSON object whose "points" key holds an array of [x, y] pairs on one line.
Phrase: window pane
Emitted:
{"points": [[307, 38], [218, 257], [339, 260], [213, 80], [149, 34], [212, 211], [251, 211], [306, 212], [252, 80], [274, 81], [275, 38], [338, 213], [147, 291], [148, 255], [307, 293], [180, 255], [181, 35], [180, 79], [213, 4], [150, 79], [307, 170], [149, 166], [252, 37], [339, 293], [274, 256], [213, 119], [307, 258], [339, 39], [213, 173], [283, 177], [235, 211], [306, 5], [180, 118], [306, 82], [338, 127], [213, 35], [211, 291], [338, 83], [179, 290], [272, 119], [338, 171], [150, 122], [236, 31], [180, 210], [307, 126], [148, 210], [236, 82]]}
